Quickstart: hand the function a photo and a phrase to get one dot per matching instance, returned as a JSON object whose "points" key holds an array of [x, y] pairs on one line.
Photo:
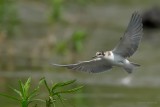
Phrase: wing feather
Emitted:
{"points": [[96, 65], [131, 39]]}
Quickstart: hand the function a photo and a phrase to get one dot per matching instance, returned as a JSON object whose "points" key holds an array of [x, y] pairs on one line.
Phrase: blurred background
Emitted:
{"points": [[36, 33]]}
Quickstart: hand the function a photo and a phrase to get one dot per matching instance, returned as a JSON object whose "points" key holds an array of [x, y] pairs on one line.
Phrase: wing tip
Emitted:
{"points": [[58, 65], [137, 14]]}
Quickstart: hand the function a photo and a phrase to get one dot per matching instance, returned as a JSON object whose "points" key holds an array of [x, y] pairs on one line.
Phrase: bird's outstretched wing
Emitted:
{"points": [[95, 65], [129, 42]]}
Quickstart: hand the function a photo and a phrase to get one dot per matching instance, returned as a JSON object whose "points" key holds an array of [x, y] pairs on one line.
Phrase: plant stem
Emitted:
{"points": [[24, 103]]}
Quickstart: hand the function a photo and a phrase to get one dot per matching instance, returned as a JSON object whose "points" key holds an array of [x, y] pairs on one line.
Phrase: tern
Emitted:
{"points": [[126, 47]]}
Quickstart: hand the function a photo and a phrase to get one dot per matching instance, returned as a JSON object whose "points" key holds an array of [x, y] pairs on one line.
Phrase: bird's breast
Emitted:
{"points": [[115, 59], [110, 57]]}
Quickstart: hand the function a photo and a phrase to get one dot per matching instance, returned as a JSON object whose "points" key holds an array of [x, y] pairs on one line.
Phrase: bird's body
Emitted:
{"points": [[117, 60], [127, 46]]}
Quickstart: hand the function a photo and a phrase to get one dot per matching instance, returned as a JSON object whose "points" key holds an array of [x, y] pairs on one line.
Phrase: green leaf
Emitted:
{"points": [[10, 97], [61, 84], [33, 93], [17, 91], [27, 86], [38, 100], [70, 91], [45, 82], [41, 81], [60, 98], [21, 85]]}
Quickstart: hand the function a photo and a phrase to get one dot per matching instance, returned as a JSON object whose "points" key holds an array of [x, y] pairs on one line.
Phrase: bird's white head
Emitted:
{"points": [[99, 54], [102, 54]]}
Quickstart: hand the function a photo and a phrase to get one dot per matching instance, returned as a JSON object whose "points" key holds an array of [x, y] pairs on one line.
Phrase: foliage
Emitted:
{"points": [[61, 47], [55, 92], [26, 97], [56, 10], [75, 43], [77, 40]]}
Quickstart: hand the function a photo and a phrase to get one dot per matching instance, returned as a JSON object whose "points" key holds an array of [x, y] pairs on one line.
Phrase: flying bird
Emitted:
{"points": [[126, 47]]}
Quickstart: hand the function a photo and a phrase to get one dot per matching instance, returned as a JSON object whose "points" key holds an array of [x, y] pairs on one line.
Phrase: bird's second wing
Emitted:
{"points": [[96, 65], [129, 42]]}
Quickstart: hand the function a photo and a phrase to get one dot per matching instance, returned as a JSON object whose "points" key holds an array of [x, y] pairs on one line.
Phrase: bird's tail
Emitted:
{"points": [[135, 64], [130, 68]]}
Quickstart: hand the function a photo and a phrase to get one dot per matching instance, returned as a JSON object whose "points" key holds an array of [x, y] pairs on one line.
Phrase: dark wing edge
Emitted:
{"points": [[129, 42], [92, 66]]}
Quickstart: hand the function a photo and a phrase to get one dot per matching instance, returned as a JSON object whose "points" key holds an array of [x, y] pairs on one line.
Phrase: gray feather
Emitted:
{"points": [[129, 42], [96, 65]]}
